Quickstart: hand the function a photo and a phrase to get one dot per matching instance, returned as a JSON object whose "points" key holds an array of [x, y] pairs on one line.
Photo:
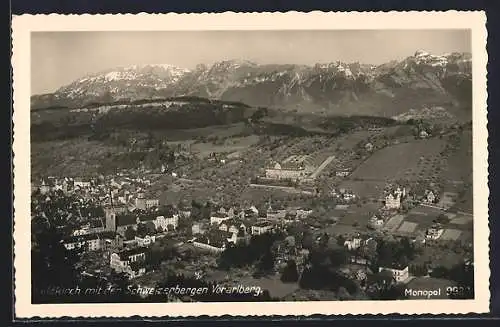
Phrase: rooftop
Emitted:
{"points": [[130, 252]]}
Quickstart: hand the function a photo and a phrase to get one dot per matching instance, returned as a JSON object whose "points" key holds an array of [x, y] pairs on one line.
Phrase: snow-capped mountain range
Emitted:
{"points": [[421, 79]]}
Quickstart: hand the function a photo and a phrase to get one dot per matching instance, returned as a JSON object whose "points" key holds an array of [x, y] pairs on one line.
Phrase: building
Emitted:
{"points": [[110, 214], [376, 222], [399, 274], [393, 199], [303, 213], [251, 212], [216, 242], [261, 228], [423, 134], [288, 170], [228, 211], [130, 262], [81, 182], [275, 213], [165, 223], [145, 241], [185, 211], [146, 204], [434, 232], [429, 197], [44, 187], [232, 226], [198, 228], [217, 218], [93, 242], [125, 221], [353, 243], [342, 173]]}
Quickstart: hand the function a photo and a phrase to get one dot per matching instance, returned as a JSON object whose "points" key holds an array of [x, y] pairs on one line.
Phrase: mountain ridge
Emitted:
{"points": [[337, 87]]}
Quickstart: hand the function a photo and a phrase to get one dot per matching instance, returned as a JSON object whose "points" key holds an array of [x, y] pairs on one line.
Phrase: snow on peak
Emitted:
{"points": [[423, 57], [421, 53]]}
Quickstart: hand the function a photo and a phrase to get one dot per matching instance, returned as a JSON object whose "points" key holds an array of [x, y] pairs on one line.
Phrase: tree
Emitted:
{"points": [[307, 240], [266, 263], [290, 273], [185, 224], [442, 219], [52, 265], [381, 284], [142, 230], [130, 233], [150, 227], [323, 241], [341, 240], [337, 257]]}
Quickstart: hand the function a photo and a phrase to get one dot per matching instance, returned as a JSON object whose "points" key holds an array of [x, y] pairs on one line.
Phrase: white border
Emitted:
{"points": [[23, 25]]}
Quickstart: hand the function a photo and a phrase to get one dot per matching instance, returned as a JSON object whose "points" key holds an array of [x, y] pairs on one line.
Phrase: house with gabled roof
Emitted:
{"points": [[232, 226], [131, 262]]}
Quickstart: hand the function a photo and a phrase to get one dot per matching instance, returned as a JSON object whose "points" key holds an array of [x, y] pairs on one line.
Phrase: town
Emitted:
{"points": [[363, 215]]}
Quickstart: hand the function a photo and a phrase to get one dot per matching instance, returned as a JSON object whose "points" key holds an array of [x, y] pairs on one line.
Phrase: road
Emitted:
{"points": [[321, 167]]}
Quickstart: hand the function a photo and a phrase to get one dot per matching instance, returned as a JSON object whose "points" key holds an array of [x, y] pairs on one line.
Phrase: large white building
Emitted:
{"points": [[399, 275], [164, 222], [291, 168], [393, 199], [261, 228]]}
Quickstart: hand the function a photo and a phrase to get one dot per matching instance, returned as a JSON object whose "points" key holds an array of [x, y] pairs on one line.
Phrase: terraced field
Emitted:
{"points": [[415, 160]]}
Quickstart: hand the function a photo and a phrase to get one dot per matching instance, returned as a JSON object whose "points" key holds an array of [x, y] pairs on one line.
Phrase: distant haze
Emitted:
{"points": [[58, 58]]}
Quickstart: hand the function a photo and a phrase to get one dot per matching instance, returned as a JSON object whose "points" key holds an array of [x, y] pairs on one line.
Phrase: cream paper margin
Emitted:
{"points": [[23, 25]]}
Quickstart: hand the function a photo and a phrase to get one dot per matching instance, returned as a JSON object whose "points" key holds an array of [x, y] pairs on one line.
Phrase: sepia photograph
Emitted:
{"points": [[276, 165]]}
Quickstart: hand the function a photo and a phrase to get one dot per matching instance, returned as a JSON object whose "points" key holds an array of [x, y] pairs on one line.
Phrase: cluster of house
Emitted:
{"points": [[121, 189], [357, 241], [130, 262], [66, 185], [343, 194], [112, 236], [228, 225]]}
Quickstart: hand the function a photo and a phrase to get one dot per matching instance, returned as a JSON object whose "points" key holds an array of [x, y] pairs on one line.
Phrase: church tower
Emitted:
{"points": [[110, 215], [110, 219]]}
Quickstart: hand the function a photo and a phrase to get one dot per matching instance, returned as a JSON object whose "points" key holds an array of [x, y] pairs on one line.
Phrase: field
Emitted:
{"points": [[423, 215], [415, 223], [438, 257], [447, 200], [450, 235], [459, 167], [407, 227], [203, 149], [411, 161], [358, 216], [72, 157], [461, 219], [392, 224]]}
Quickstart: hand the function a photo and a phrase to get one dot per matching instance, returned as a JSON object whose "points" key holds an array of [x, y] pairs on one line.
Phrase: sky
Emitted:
{"points": [[58, 58]]}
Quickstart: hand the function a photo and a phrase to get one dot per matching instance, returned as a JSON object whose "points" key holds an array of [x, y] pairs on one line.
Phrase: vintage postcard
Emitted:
{"points": [[250, 164]]}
